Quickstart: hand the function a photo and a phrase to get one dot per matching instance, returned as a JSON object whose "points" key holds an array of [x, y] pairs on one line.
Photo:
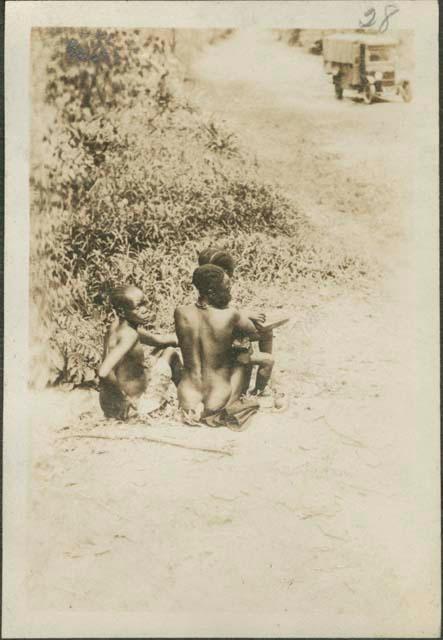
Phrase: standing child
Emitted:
{"points": [[123, 377]]}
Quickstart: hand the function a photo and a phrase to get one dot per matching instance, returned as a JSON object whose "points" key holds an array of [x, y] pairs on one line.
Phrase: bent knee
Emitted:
{"points": [[266, 360]]}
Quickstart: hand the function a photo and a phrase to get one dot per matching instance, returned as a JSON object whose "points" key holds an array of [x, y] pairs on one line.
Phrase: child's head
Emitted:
{"points": [[214, 284], [129, 303], [218, 256]]}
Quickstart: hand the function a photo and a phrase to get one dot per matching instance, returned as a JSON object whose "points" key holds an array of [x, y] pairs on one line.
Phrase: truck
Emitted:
{"points": [[365, 64]]}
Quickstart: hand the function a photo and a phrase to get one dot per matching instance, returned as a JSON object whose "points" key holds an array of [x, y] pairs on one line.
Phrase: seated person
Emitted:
{"points": [[212, 380], [123, 378], [264, 359]]}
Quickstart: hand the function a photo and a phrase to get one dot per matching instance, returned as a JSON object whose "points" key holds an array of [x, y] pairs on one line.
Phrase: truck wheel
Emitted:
{"points": [[338, 92], [406, 91], [368, 93]]}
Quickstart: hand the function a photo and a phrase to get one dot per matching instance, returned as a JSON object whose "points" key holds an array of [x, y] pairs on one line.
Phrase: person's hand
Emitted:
{"points": [[257, 317], [131, 403]]}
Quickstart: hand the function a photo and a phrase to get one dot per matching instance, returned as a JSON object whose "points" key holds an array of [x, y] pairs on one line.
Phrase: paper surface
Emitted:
{"points": [[320, 521]]}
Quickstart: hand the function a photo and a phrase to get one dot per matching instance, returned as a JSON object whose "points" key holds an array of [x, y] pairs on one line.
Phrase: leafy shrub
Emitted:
{"points": [[135, 181]]}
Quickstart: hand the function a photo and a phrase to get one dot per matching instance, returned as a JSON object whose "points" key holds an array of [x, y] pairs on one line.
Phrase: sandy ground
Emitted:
{"points": [[303, 512]]}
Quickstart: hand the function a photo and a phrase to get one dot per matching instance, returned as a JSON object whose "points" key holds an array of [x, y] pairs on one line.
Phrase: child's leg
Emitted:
{"points": [[265, 342], [113, 403], [265, 362]]}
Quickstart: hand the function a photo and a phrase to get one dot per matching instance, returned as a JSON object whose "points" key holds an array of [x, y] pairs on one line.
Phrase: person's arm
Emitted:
{"points": [[152, 340], [115, 355], [111, 378], [244, 325]]}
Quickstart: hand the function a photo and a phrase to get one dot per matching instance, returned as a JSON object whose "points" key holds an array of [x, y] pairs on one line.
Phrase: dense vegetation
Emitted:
{"points": [[133, 180]]}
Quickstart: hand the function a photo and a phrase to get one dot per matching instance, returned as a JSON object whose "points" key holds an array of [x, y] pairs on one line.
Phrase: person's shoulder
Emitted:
{"points": [[241, 318], [235, 313], [126, 333], [183, 310]]}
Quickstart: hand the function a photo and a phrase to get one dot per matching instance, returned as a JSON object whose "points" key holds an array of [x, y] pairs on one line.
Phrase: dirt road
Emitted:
{"points": [[300, 516], [342, 162]]}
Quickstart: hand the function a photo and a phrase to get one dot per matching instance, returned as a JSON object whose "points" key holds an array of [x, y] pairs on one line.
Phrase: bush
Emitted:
{"points": [[136, 180]]}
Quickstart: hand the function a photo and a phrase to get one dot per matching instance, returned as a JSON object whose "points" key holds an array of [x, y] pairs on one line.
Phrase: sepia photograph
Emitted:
{"points": [[231, 369]]}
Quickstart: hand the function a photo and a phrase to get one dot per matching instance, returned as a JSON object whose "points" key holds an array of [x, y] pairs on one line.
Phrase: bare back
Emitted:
{"points": [[205, 337], [129, 371]]}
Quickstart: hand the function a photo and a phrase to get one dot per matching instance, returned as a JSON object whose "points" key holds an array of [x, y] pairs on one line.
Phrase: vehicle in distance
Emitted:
{"points": [[366, 64]]}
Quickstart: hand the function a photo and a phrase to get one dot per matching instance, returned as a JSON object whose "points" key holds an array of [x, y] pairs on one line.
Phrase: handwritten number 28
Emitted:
{"points": [[371, 14]]}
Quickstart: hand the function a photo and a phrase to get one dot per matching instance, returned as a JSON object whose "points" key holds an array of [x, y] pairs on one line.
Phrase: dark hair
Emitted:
{"points": [[119, 297], [219, 257], [207, 277]]}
